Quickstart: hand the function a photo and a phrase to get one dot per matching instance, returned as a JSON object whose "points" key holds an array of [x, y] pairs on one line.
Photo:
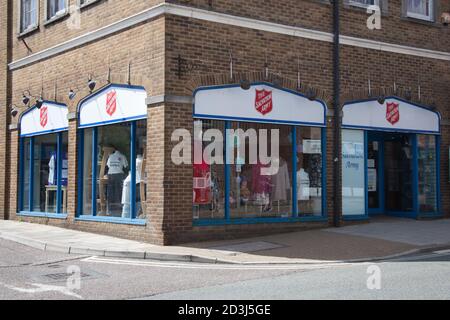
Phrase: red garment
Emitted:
{"points": [[260, 183], [202, 183]]}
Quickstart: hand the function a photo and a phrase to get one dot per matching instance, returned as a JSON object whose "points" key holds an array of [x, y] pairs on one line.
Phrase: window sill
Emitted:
{"points": [[56, 18], [28, 31], [426, 22], [42, 215], [222, 222], [87, 4], [135, 222]]}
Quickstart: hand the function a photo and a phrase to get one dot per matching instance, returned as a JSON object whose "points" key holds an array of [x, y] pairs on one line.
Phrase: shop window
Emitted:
{"points": [[29, 15], [246, 187], [309, 171], [427, 173], [44, 175], [208, 176], [112, 185], [420, 9], [253, 193], [353, 173]]}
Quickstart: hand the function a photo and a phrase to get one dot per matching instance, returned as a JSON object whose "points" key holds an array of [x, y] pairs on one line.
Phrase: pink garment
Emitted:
{"points": [[260, 183]]}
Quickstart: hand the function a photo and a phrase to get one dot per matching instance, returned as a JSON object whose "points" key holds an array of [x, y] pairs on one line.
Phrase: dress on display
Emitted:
{"points": [[281, 183]]}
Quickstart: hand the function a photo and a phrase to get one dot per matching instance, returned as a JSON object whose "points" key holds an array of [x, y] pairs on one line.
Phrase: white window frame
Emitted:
{"points": [[58, 14], [32, 26], [356, 3], [421, 16], [86, 3]]}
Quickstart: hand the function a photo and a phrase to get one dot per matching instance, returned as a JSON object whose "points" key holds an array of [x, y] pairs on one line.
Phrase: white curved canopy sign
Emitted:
{"points": [[261, 103], [394, 115], [50, 118], [113, 104]]}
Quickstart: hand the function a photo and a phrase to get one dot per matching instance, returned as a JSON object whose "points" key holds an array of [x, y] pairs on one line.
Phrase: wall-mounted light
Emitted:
{"points": [[91, 84], [72, 94], [39, 102], [26, 97], [14, 110], [408, 95], [445, 18], [311, 94], [245, 84], [381, 99]]}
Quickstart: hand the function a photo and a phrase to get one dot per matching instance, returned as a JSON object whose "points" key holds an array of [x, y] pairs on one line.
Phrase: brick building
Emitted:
{"points": [[103, 84]]}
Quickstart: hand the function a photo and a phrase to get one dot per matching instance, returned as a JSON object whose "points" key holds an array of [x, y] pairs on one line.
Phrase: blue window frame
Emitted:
{"points": [[292, 213], [109, 182], [43, 173]]}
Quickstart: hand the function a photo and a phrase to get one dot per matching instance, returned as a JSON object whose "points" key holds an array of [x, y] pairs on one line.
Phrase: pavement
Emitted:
{"points": [[381, 239]]}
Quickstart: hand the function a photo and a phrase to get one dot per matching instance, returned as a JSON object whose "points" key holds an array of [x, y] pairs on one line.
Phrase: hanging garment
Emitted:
{"points": [[202, 193], [281, 183], [303, 185], [51, 170], [261, 185], [126, 190]]}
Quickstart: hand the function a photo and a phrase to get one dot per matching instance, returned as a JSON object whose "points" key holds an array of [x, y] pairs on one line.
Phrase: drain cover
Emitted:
{"points": [[63, 276]]}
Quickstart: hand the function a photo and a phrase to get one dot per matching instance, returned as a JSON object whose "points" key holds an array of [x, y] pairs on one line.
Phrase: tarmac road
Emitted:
{"points": [[27, 273]]}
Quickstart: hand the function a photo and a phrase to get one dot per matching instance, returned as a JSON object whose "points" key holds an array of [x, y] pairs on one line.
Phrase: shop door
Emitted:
{"points": [[398, 171], [375, 173]]}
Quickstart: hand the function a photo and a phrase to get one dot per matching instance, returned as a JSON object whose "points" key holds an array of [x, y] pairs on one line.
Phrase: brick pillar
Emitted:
{"points": [[4, 111], [72, 195], [169, 193]]}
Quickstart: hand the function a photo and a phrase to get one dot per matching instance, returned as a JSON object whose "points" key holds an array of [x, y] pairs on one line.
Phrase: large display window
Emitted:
{"points": [[390, 159], [43, 161], [112, 155], [273, 150]]}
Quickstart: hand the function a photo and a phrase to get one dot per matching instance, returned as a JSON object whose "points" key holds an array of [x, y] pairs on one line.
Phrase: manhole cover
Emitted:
{"points": [[63, 276]]}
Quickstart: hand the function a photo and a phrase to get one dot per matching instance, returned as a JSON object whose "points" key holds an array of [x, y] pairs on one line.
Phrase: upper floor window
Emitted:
{"points": [[420, 9], [29, 12], [56, 8], [363, 3]]}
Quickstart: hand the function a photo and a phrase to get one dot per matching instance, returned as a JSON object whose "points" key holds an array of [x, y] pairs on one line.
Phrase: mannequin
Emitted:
{"points": [[303, 181], [126, 190], [116, 163], [52, 170]]}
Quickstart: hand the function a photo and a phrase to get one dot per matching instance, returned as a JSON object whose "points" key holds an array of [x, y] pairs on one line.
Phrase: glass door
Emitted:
{"points": [[399, 159], [375, 173]]}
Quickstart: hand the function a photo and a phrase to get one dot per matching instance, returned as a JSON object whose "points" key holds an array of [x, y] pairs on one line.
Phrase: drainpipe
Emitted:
{"points": [[337, 116]]}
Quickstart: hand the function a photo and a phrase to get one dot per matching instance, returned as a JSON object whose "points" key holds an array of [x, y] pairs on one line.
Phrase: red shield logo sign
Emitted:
{"points": [[393, 112], [111, 102], [44, 116], [263, 101]]}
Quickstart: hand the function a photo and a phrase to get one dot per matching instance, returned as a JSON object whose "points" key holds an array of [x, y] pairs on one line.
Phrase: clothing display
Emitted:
{"points": [[116, 163], [281, 182], [52, 170], [202, 184], [126, 190], [303, 185]]}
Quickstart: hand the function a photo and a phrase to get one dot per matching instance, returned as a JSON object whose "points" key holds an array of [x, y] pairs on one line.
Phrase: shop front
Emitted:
{"points": [[390, 161], [112, 133], [274, 156], [43, 166]]}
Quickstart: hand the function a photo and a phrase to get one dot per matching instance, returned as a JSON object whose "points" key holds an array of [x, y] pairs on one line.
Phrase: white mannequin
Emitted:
{"points": [[126, 191]]}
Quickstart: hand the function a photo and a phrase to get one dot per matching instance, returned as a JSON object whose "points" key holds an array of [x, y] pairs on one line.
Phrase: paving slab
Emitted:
{"points": [[354, 243]]}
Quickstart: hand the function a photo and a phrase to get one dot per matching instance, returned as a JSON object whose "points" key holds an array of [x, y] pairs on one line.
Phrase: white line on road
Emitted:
{"points": [[442, 252], [42, 288]]}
